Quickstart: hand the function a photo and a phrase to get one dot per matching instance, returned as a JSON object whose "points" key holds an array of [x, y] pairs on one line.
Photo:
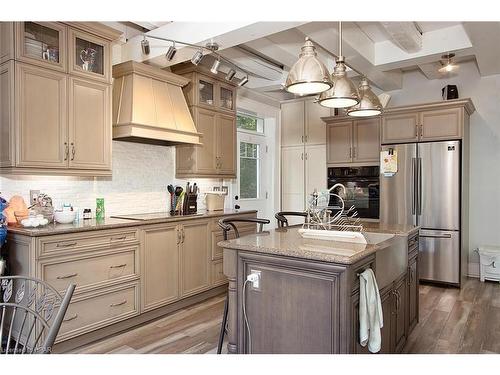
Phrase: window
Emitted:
{"points": [[249, 170], [250, 123]]}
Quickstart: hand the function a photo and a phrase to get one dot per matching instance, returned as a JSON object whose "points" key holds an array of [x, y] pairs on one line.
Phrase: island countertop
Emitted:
{"points": [[112, 223], [288, 242]]}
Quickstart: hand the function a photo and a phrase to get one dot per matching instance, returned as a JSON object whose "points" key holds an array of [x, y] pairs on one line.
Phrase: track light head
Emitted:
{"points": [[197, 57], [215, 67], [243, 81], [171, 52], [145, 46], [230, 74]]}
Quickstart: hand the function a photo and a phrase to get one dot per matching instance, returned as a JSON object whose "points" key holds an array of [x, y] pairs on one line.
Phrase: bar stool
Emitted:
{"points": [[227, 224], [282, 220]]}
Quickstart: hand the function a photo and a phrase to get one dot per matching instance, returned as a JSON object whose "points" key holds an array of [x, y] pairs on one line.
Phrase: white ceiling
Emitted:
{"points": [[269, 49]]}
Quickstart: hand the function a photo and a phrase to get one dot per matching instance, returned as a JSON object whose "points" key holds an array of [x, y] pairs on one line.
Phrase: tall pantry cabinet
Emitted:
{"points": [[55, 90], [303, 152]]}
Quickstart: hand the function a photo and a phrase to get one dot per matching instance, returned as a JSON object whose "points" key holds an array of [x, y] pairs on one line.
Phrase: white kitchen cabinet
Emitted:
{"points": [[315, 169]]}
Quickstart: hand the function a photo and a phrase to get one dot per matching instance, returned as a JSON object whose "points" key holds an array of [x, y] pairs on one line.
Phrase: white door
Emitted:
{"points": [[253, 184]]}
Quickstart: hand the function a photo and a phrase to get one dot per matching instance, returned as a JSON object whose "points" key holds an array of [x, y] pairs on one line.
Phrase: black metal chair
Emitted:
{"points": [[227, 224], [32, 312], [282, 220]]}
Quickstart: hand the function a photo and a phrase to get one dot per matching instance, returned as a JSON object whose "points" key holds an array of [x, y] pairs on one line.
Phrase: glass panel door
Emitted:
{"points": [[89, 56], [226, 98], [206, 92], [41, 42]]}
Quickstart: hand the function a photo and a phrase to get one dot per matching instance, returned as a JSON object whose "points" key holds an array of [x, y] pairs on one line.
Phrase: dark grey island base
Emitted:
{"points": [[308, 297]]}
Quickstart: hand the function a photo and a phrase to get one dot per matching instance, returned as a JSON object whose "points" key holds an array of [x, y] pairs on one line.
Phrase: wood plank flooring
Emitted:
{"points": [[451, 321]]}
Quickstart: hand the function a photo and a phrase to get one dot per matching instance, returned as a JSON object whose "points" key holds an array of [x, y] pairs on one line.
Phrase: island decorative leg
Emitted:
{"points": [[230, 267]]}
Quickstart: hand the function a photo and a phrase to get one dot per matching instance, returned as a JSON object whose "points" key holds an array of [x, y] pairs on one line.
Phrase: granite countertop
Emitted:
{"points": [[288, 242], [112, 223]]}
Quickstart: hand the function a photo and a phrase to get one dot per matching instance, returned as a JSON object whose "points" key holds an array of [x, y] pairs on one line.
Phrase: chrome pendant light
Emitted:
{"points": [[308, 75], [343, 93], [369, 104]]}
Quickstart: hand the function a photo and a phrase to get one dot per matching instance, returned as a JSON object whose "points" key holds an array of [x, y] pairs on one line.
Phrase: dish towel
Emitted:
{"points": [[370, 312]]}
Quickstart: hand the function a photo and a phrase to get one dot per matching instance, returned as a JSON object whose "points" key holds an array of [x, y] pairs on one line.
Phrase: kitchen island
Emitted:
{"points": [[308, 294]]}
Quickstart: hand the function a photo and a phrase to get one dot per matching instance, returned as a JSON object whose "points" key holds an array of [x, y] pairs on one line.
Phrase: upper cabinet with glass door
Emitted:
{"points": [[42, 43], [227, 97], [89, 56]]}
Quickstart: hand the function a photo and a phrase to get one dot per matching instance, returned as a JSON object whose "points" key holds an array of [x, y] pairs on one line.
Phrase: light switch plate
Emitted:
{"points": [[33, 196]]}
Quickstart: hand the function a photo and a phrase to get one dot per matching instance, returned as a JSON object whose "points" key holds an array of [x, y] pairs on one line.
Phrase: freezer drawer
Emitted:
{"points": [[439, 256]]}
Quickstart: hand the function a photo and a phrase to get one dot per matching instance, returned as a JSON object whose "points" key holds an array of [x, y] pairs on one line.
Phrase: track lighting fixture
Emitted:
{"points": [[145, 46], [230, 74], [197, 57], [171, 52], [215, 66], [243, 81]]}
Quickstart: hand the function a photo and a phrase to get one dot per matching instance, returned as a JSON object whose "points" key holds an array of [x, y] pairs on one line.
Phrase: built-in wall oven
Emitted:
{"points": [[362, 189]]}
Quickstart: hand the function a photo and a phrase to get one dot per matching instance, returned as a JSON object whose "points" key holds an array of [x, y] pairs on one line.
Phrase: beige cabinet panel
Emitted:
{"points": [[400, 128], [42, 124], [315, 169], [441, 124], [339, 146], [293, 180], [366, 140], [195, 257], [89, 56], [315, 127], [292, 123], [206, 155], [6, 41], [160, 266], [7, 156], [42, 43], [226, 145], [89, 130]]}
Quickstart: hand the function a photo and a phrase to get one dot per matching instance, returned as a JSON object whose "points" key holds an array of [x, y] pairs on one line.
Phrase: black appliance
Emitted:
{"points": [[449, 92], [362, 189]]}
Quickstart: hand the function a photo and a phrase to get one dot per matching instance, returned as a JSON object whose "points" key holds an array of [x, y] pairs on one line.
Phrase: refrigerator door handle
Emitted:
{"points": [[419, 181], [413, 185], [435, 236]]}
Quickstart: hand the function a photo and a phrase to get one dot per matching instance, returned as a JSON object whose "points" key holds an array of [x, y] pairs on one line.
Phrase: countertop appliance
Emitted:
{"points": [[425, 191], [362, 188]]}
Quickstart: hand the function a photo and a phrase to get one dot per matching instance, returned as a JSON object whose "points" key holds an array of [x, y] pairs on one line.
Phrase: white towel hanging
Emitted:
{"points": [[370, 312]]}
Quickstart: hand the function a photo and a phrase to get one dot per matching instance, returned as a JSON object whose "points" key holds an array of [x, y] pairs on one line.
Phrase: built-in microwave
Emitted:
{"points": [[362, 189]]}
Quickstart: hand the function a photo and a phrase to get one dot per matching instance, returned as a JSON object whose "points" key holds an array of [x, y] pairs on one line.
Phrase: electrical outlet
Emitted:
{"points": [[255, 283], [33, 196]]}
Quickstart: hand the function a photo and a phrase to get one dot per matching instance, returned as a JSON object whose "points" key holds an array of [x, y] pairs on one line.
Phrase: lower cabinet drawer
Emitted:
{"points": [[218, 277], [97, 310], [91, 270]]}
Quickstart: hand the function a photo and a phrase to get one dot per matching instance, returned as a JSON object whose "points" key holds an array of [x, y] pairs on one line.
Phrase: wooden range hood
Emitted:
{"points": [[149, 106]]}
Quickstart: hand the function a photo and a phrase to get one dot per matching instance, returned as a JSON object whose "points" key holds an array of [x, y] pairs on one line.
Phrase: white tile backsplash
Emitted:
{"points": [[141, 173]]}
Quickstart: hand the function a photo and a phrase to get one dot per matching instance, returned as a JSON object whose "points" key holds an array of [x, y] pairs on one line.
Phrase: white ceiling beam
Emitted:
{"points": [[431, 70], [405, 35], [226, 34], [326, 34], [388, 56], [485, 37]]}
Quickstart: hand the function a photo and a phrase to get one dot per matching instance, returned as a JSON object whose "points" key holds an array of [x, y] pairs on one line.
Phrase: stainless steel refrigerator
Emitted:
{"points": [[425, 191]]}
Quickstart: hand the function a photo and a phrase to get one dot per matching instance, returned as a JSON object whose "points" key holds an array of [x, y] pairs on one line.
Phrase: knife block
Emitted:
{"points": [[190, 205]]}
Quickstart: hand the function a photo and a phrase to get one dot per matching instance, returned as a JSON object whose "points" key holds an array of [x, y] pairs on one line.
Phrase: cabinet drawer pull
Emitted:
{"points": [[118, 265], [71, 318], [66, 151], [118, 238], [73, 151], [66, 244], [118, 303], [68, 276]]}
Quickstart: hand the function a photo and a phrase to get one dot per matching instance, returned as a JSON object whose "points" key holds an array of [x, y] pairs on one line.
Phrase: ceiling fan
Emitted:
{"points": [[448, 65]]}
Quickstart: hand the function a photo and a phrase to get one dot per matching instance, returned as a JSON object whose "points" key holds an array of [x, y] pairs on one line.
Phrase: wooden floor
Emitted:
{"points": [[451, 321]]}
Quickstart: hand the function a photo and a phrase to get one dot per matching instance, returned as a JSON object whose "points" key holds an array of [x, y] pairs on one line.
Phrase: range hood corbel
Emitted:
{"points": [[149, 106]]}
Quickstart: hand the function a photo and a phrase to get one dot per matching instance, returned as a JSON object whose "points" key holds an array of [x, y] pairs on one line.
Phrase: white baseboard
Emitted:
{"points": [[473, 270]]}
